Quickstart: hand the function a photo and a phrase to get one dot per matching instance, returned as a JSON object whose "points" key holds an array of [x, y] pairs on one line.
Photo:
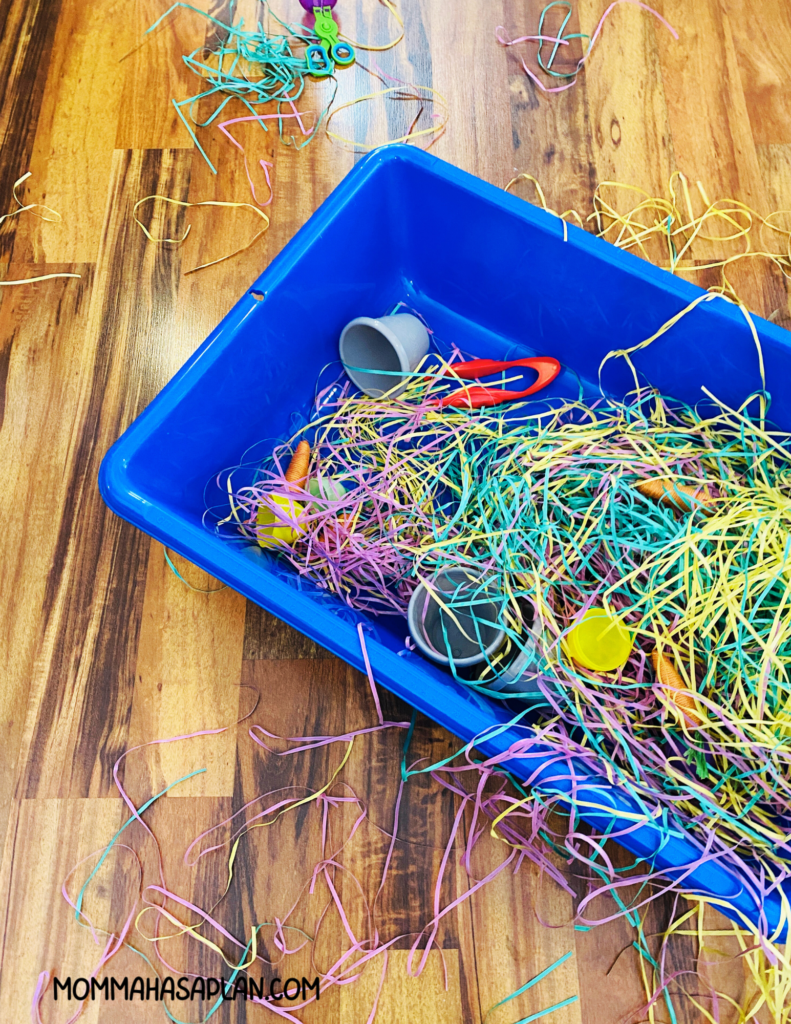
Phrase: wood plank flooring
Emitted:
{"points": [[103, 649]]}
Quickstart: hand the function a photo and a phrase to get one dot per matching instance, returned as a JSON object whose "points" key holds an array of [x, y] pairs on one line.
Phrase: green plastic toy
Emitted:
{"points": [[322, 57]]}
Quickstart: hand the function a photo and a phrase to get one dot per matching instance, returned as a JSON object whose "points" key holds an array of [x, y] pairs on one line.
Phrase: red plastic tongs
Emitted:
{"points": [[482, 395]]}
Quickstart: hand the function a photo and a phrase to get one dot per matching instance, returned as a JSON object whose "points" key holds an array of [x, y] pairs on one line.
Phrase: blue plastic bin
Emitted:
{"points": [[491, 273]]}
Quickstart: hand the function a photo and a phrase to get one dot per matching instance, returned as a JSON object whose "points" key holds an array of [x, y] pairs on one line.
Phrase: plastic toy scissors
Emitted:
{"points": [[481, 395], [322, 57]]}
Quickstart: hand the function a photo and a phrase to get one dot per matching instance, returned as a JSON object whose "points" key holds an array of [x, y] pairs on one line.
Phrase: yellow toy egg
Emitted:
{"points": [[274, 527], [599, 642]]}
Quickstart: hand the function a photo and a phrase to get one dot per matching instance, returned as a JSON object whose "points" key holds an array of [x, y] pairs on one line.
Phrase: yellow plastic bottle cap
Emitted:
{"points": [[274, 527], [600, 642]]}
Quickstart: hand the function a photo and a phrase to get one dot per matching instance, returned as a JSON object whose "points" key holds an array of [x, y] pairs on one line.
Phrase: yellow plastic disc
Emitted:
{"points": [[600, 642], [274, 527]]}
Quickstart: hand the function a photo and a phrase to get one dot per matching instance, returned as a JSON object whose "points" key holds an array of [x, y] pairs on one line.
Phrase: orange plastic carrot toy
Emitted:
{"points": [[675, 687], [297, 472], [679, 496]]}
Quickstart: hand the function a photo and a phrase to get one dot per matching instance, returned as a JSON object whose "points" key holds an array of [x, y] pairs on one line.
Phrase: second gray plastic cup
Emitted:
{"points": [[376, 352], [469, 631]]}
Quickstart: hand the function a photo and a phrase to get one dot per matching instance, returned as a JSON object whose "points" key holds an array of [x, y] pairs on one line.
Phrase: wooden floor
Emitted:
{"points": [[103, 648]]}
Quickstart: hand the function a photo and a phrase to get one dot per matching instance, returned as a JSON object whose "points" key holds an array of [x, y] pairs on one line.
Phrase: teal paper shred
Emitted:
{"points": [[282, 73], [140, 810], [530, 984], [549, 1009]]}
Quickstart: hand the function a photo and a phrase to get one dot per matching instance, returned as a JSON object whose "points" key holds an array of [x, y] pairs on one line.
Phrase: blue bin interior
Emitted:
{"points": [[490, 273]]}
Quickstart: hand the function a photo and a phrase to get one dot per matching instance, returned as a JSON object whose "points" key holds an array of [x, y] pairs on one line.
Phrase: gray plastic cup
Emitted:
{"points": [[522, 669], [375, 353], [468, 632], [521, 676]]}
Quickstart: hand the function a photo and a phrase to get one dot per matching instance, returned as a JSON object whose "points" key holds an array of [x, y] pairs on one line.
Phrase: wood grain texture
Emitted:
{"points": [[266, 637], [75, 725], [151, 66], [26, 35], [626, 99], [764, 66], [188, 665], [43, 337], [72, 156], [102, 649], [47, 839]]}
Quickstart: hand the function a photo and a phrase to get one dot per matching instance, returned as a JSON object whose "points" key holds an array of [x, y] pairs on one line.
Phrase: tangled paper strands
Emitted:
{"points": [[543, 503], [250, 66], [562, 39], [527, 827], [257, 68], [670, 232]]}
